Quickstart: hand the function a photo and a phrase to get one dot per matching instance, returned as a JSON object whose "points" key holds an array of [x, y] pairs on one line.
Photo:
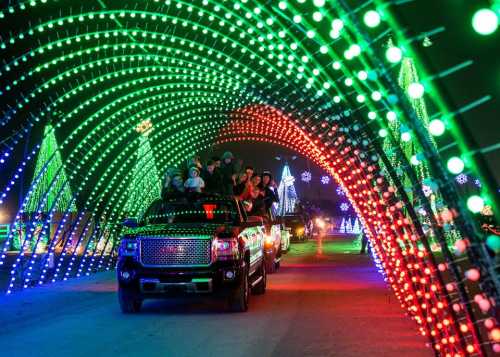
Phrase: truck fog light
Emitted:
{"points": [[229, 274]]}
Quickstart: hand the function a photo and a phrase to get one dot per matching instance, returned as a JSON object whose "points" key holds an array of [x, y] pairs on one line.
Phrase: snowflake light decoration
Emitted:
{"points": [[427, 190], [306, 176], [325, 180], [340, 191], [462, 179], [344, 207], [422, 211]]}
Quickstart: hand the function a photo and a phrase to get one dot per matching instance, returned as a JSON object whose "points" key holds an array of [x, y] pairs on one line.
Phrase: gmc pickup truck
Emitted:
{"points": [[196, 244]]}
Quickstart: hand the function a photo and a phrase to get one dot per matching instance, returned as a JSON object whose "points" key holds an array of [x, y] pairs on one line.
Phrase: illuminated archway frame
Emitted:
{"points": [[109, 102]]}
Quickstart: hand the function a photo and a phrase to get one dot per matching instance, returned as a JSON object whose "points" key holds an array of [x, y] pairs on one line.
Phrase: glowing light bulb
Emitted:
{"points": [[376, 96], [455, 165], [493, 242], [317, 16], [406, 136], [355, 50], [394, 54], [436, 127], [371, 18], [416, 90], [485, 22], [475, 204], [391, 116], [382, 133], [362, 75], [337, 25], [360, 98]]}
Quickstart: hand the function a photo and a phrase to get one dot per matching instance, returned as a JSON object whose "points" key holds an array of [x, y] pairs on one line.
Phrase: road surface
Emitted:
{"points": [[325, 301]]}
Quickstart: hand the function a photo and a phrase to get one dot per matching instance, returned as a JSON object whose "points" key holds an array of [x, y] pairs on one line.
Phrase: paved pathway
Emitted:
{"points": [[322, 302]]}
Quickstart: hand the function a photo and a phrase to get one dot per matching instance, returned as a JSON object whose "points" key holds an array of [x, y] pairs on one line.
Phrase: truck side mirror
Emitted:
{"points": [[130, 223], [254, 219]]}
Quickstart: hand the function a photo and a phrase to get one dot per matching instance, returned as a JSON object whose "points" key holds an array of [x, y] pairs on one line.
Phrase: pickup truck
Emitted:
{"points": [[196, 244]]}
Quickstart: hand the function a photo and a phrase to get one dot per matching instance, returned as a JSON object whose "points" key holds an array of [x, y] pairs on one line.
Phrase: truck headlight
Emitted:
{"points": [[320, 223], [225, 248], [128, 247]]}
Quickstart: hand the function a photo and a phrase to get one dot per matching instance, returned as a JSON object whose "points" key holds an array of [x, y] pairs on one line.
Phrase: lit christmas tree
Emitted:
{"points": [[348, 226], [50, 186], [50, 191], [342, 226], [145, 185], [356, 228], [286, 192]]}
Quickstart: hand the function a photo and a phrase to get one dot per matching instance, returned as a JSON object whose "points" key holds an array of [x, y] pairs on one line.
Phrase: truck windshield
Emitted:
{"points": [[189, 211]]}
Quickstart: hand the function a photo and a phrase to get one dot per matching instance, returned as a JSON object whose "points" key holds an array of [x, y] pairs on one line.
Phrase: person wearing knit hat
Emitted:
{"points": [[194, 183], [227, 156]]}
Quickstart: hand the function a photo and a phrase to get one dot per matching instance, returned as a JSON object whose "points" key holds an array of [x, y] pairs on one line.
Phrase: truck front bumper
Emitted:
{"points": [[219, 277], [195, 286]]}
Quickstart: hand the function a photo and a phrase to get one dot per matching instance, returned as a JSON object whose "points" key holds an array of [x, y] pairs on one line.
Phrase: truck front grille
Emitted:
{"points": [[175, 252]]}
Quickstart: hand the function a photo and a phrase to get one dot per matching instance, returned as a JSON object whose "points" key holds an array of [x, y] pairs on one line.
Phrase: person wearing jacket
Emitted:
{"points": [[241, 185], [212, 177], [268, 186]]}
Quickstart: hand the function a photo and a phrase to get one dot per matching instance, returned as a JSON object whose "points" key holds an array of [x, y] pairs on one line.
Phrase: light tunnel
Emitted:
{"points": [[99, 98]]}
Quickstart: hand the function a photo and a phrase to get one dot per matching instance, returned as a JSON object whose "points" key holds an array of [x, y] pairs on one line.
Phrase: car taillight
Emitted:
{"points": [[300, 231], [268, 241], [225, 248]]}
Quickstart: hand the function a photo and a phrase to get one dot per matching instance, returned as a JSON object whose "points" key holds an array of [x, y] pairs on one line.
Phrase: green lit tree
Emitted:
{"points": [[50, 190], [408, 78], [50, 181], [145, 185]]}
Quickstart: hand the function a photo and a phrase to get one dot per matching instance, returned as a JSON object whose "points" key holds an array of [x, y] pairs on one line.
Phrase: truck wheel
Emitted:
{"points": [[277, 265], [238, 300], [129, 301], [270, 266], [260, 288]]}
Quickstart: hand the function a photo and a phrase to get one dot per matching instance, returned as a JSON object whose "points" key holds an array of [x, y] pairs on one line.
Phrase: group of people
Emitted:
{"points": [[224, 176]]}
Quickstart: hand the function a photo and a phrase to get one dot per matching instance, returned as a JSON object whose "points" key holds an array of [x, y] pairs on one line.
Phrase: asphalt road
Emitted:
{"points": [[323, 302]]}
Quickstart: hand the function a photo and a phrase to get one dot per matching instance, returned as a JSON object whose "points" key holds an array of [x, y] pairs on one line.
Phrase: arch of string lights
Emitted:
{"points": [[319, 77]]}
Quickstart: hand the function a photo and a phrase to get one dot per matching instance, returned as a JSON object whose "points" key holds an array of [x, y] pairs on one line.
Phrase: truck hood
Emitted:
{"points": [[175, 230]]}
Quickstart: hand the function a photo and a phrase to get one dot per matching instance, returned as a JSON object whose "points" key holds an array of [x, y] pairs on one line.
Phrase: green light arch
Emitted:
{"points": [[101, 67]]}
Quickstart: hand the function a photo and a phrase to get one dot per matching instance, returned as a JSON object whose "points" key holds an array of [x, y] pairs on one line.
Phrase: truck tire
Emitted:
{"points": [[270, 266], [238, 298], [260, 288], [278, 265], [130, 302]]}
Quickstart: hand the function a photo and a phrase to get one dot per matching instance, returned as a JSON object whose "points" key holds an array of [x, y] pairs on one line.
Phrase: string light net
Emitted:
{"points": [[316, 77]]}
